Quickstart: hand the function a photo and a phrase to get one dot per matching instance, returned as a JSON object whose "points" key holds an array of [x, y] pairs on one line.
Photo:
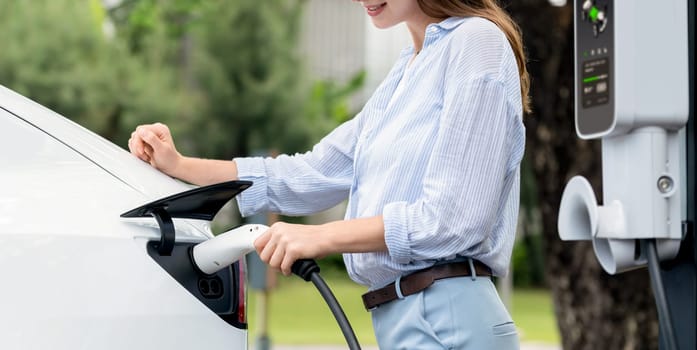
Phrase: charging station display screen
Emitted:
{"points": [[594, 44], [595, 80]]}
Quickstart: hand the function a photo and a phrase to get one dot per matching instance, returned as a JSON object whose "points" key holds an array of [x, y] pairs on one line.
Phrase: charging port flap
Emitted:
{"points": [[201, 203]]}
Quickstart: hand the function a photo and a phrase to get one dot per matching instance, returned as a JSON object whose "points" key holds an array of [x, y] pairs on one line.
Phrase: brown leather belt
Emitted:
{"points": [[420, 280]]}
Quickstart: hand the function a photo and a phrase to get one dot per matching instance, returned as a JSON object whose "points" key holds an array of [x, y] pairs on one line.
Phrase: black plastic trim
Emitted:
{"points": [[167, 237], [180, 266], [201, 203]]}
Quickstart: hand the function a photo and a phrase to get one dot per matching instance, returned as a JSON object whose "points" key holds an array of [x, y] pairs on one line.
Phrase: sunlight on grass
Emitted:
{"points": [[298, 314], [534, 316]]}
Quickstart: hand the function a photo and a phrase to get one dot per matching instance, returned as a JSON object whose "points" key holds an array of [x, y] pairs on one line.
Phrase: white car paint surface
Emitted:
{"points": [[74, 274]]}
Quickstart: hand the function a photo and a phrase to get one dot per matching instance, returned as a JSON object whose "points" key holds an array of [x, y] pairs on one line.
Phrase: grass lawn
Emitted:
{"points": [[298, 314], [533, 314]]}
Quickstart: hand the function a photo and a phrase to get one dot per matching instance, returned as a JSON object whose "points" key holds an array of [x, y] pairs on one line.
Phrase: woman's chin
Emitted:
{"points": [[382, 24]]}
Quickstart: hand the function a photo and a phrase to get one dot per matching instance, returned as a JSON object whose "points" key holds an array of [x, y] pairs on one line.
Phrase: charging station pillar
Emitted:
{"points": [[634, 74], [680, 275]]}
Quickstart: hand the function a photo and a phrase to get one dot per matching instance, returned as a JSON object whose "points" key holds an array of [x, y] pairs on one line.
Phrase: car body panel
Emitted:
{"points": [[77, 275], [75, 157], [103, 153], [77, 292]]}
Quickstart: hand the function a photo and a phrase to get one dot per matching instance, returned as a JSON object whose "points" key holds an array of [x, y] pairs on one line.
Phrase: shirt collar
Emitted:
{"points": [[436, 30], [449, 23]]}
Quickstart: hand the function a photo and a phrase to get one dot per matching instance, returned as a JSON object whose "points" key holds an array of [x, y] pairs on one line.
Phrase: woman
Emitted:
{"points": [[430, 168]]}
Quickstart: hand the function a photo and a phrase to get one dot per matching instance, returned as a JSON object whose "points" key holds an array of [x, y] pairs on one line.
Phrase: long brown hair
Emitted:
{"points": [[490, 10]]}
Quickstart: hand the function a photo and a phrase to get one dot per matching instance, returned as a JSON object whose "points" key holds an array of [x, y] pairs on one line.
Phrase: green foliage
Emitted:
{"points": [[61, 69], [333, 263], [328, 104], [250, 69], [527, 262], [226, 76], [144, 22], [528, 187], [72, 67], [528, 266]]}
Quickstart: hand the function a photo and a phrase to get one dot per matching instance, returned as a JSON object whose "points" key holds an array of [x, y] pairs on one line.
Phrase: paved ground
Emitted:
{"points": [[525, 346]]}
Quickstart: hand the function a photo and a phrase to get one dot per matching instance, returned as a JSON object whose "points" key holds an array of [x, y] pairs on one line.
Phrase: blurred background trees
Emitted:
{"points": [[226, 76], [56, 52]]}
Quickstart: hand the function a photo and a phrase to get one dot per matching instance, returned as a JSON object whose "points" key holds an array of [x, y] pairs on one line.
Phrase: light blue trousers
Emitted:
{"points": [[453, 313]]}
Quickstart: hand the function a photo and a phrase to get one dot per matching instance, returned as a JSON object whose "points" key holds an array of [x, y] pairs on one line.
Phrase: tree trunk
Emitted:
{"points": [[594, 310]]}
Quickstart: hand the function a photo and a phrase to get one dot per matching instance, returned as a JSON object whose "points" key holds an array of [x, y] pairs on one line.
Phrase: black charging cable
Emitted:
{"points": [[665, 322], [308, 270]]}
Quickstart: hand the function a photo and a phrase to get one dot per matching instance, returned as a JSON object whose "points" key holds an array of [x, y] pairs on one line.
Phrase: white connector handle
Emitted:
{"points": [[226, 248]]}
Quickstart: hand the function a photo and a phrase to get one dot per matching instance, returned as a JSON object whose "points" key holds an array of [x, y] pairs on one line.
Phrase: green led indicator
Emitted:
{"points": [[590, 79], [593, 13]]}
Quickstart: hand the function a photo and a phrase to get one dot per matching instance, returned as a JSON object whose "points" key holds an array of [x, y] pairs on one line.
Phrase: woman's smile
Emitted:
{"points": [[374, 10]]}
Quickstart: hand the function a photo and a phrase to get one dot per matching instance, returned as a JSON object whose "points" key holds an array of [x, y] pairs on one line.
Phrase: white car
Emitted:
{"points": [[77, 275]]}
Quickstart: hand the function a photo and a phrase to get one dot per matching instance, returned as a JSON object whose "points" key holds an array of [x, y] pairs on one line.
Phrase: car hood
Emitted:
{"points": [[86, 193]]}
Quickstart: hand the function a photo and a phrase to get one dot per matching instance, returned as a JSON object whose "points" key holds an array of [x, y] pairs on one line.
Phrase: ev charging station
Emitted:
{"points": [[634, 90]]}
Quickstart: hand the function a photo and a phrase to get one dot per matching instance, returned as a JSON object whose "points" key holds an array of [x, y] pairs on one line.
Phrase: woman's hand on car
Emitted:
{"points": [[153, 144]]}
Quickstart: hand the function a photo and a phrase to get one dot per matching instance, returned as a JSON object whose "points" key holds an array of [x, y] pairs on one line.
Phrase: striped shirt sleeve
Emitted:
{"points": [[302, 183]]}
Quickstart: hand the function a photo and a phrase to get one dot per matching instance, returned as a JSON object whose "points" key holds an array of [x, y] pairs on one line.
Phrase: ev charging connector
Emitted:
{"points": [[226, 248], [631, 76]]}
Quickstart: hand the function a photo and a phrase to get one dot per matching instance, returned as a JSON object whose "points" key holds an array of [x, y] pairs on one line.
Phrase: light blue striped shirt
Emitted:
{"points": [[436, 151]]}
